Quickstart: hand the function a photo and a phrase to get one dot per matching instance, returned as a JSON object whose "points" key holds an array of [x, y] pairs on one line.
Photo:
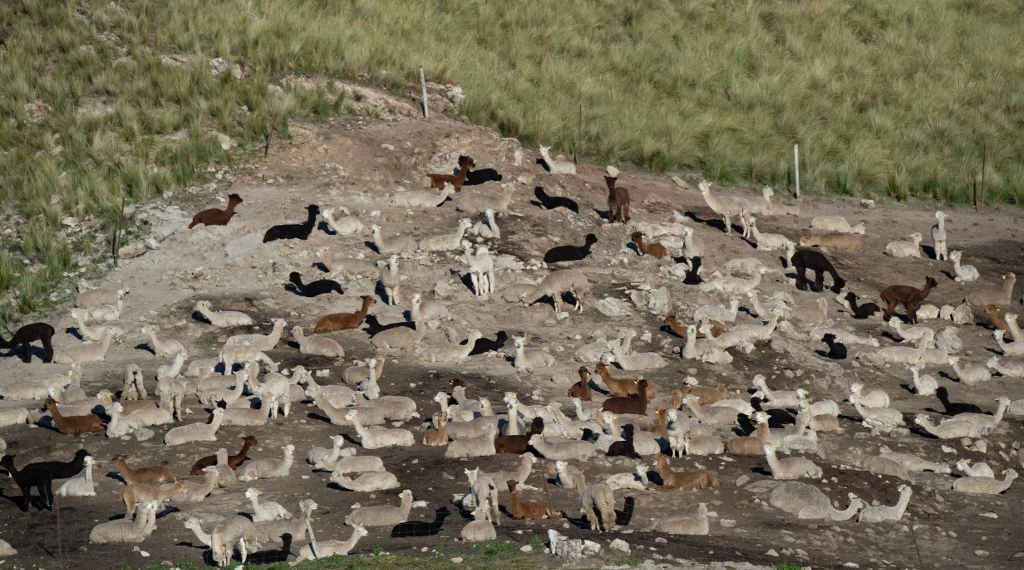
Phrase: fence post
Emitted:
{"points": [[796, 167], [423, 87]]}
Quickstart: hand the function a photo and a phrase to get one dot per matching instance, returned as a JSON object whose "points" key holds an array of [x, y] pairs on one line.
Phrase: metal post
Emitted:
{"points": [[423, 87]]}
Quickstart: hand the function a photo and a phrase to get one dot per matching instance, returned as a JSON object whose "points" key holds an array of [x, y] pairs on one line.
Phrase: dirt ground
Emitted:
{"points": [[358, 163]]}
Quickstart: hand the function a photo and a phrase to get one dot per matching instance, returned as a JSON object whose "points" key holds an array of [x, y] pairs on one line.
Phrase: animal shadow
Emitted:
{"points": [[322, 226], [145, 346], [372, 246], [320, 265]]}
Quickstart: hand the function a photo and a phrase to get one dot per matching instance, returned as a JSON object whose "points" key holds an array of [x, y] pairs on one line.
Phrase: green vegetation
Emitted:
{"points": [[107, 99]]}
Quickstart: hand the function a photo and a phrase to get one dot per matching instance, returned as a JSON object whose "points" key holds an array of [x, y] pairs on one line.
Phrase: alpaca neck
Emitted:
{"points": [[901, 505], [201, 535], [88, 474]]}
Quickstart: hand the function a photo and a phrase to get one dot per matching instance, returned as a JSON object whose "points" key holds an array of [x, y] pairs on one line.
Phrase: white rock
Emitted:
{"points": [[619, 545], [612, 307]]}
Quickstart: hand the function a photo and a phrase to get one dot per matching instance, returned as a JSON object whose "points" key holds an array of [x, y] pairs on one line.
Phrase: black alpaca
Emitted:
{"points": [[805, 259], [480, 176], [552, 202], [485, 345], [314, 288], [41, 475], [836, 349], [421, 528], [862, 311], [570, 252], [954, 408], [693, 275], [625, 447], [294, 231], [28, 334]]}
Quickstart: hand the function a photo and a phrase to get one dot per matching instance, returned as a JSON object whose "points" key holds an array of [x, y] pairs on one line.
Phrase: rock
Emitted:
{"points": [[131, 250], [658, 303], [612, 307], [526, 548], [591, 548], [238, 247], [639, 298], [226, 142], [981, 553], [219, 66], [867, 203], [142, 434], [990, 515], [619, 545], [742, 480], [772, 553], [151, 243]]}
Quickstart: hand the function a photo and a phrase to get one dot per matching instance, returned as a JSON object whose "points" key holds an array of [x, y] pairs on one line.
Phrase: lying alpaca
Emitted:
{"points": [[570, 252], [456, 180], [294, 231], [314, 288], [28, 334], [216, 216], [344, 321], [556, 166], [551, 202], [655, 250]]}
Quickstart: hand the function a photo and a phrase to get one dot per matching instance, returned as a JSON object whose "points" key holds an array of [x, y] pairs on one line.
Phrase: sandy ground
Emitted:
{"points": [[358, 164]]}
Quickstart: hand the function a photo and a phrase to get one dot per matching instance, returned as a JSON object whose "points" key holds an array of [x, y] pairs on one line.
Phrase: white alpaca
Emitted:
{"points": [[481, 269], [487, 227], [222, 318], [923, 385], [421, 198], [80, 486], [446, 242], [556, 166], [346, 225], [939, 236], [905, 248], [964, 273]]}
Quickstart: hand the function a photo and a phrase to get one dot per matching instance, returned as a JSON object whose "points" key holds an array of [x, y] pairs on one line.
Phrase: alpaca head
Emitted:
{"points": [[234, 198], [829, 338], [704, 186]]}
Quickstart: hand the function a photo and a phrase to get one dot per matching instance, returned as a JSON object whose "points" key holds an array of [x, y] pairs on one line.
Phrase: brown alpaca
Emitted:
{"points": [[436, 436], [344, 321], [518, 444], [683, 480], [620, 387], [456, 180], [145, 475], [652, 249], [679, 329], [629, 405], [908, 296], [618, 202], [216, 216], [707, 395], [73, 425], [581, 389], [529, 510], [749, 445], [996, 319], [234, 461], [135, 493], [660, 424]]}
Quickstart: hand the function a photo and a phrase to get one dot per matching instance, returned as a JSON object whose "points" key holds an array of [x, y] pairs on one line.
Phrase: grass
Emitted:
{"points": [[884, 97]]}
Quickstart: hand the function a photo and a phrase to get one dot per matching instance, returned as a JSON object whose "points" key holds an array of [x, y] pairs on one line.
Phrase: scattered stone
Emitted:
{"points": [[526, 548], [132, 250], [981, 553], [612, 307], [457, 560], [742, 480], [619, 545], [771, 552], [989, 514]]}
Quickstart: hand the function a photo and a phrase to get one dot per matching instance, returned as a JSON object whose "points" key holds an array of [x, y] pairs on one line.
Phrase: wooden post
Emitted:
{"points": [[117, 233], [981, 193], [577, 153], [796, 167], [423, 87]]}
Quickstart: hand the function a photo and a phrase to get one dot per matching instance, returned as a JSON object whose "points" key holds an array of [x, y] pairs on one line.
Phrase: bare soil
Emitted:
{"points": [[358, 163]]}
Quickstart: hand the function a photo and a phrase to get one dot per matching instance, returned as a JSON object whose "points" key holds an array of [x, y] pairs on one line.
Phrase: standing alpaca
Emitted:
{"points": [[910, 297], [618, 198], [28, 334], [939, 236]]}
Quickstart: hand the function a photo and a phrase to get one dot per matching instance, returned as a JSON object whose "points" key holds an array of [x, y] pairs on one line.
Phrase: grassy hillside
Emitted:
{"points": [[884, 96]]}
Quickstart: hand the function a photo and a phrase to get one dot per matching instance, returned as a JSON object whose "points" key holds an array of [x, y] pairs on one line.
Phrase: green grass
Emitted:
{"points": [[887, 97]]}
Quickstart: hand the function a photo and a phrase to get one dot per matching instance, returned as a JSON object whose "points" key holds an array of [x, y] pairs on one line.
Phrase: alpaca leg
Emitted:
{"points": [[48, 348], [592, 519], [625, 213], [819, 280], [26, 347], [46, 489], [728, 224], [912, 313]]}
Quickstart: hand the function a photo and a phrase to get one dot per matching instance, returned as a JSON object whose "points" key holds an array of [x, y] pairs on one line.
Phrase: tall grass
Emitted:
{"points": [[884, 96]]}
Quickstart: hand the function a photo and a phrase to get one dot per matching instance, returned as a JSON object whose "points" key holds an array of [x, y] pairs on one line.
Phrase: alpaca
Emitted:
{"points": [[618, 199], [998, 296], [480, 176], [556, 166], [216, 216], [28, 334], [346, 225], [552, 202], [313, 288], [905, 248], [570, 252], [804, 259], [964, 273], [836, 349], [655, 250], [294, 231], [456, 180], [939, 236], [910, 297], [344, 321]]}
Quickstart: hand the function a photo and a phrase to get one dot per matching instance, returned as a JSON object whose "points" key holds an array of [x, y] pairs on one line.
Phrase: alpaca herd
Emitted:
{"points": [[604, 402]]}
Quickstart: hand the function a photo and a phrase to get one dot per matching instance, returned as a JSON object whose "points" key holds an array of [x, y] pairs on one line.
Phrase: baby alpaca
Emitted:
{"points": [[556, 166], [790, 468], [964, 273], [618, 198], [909, 248]]}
